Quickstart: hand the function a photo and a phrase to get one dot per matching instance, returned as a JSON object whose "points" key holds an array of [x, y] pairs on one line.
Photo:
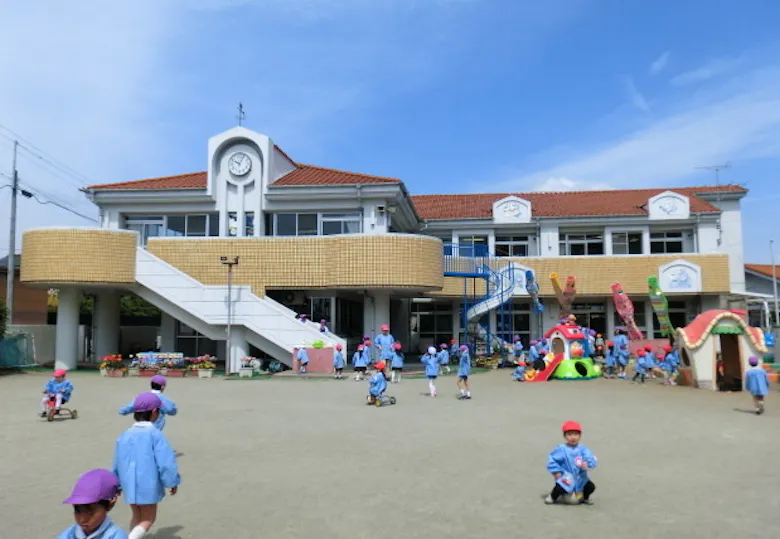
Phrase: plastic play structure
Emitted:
{"points": [[565, 295], [532, 287], [625, 309], [719, 334], [500, 286], [660, 306], [568, 358]]}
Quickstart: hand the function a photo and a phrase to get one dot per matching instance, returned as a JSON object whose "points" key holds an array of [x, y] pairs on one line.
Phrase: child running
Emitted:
{"points": [[444, 358], [757, 384], [610, 361], [464, 370], [303, 360], [397, 363], [454, 351], [59, 388], [650, 362], [338, 363], [92, 498], [517, 349], [431, 363], [359, 363], [145, 464], [640, 367], [621, 347], [168, 407], [569, 464], [669, 366]]}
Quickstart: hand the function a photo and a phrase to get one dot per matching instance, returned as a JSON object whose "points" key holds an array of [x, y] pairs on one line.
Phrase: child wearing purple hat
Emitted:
{"points": [[92, 498], [145, 464], [159, 383], [757, 384]]}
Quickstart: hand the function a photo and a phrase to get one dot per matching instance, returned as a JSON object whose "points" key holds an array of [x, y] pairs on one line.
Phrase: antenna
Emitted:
{"points": [[241, 114], [716, 169]]}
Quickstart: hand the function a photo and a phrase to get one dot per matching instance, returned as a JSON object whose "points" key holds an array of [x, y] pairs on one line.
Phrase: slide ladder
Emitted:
{"points": [[501, 285]]}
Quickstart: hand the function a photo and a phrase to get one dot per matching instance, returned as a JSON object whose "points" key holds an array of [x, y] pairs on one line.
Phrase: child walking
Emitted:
{"points": [[303, 360], [58, 387], [431, 363], [359, 363], [397, 363], [569, 464], [757, 383], [338, 363], [670, 365], [444, 358], [92, 498], [640, 367], [610, 360], [464, 370], [168, 407], [454, 351], [517, 349], [621, 346], [650, 362], [145, 464]]}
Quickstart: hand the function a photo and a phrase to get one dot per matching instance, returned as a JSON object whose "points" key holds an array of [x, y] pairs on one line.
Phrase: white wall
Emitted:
{"points": [[548, 239], [731, 226]]}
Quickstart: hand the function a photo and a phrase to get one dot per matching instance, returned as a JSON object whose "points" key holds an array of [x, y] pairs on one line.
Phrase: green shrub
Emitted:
{"points": [[318, 344]]}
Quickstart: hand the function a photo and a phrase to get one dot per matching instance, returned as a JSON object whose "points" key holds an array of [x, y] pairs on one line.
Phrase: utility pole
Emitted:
{"points": [[229, 262], [11, 276]]}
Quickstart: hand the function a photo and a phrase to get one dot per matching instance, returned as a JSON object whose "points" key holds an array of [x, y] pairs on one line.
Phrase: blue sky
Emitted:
{"points": [[448, 95]]}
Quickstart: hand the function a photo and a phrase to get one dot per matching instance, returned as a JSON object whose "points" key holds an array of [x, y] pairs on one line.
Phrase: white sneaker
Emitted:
{"points": [[548, 500]]}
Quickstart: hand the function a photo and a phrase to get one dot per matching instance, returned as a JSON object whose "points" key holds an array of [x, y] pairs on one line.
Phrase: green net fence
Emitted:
{"points": [[17, 351]]}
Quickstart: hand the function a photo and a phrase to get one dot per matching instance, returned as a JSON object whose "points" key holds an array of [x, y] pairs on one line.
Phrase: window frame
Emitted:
{"points": [[566, 241], [626, 234], [665, 240], [511, 242]]}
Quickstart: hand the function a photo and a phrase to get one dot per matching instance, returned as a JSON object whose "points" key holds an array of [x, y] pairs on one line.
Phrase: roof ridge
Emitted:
{"points": [[340, 171], [694, 190], [155, 178]]}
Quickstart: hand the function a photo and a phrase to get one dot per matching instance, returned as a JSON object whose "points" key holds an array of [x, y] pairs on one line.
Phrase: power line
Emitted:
{"points": [[54, 202]]}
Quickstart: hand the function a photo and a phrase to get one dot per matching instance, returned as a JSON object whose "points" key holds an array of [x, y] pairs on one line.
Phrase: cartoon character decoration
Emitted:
{"points": [[571, 320], [576, 351]]}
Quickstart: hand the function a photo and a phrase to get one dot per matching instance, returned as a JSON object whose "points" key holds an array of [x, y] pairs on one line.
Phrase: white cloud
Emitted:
{"points": [[709, 70], [660, 63], [553, 185], [635, 97], [743, 125]]}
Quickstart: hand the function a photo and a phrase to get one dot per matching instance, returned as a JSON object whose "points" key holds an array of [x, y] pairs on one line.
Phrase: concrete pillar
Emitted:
{"points": [[67, 333], [610, 313], [456, 305], [649, 316], [239, 349], [167, 333], [106, 324], [376, 313]]}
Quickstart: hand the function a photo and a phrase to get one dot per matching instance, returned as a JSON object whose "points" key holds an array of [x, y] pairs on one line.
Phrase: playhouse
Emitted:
{"points": [[571, 350], [718, 335]]}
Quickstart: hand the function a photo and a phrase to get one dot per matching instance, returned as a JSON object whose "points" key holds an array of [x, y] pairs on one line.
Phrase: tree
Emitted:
{"points": [[3, 318]]}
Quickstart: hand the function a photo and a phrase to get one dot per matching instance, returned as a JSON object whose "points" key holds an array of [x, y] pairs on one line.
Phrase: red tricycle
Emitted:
{"points": [[52, 411]]}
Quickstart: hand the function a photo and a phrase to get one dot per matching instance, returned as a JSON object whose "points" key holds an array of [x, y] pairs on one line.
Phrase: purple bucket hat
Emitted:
{"points": [[159, 380], [753, 361], [92, 487], [146, 402]]}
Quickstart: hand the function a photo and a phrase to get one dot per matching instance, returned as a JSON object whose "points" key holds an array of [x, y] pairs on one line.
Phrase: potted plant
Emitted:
{"points": [[247, 369], [175, 369], [112, 366], [147, 370], [203, 365]]}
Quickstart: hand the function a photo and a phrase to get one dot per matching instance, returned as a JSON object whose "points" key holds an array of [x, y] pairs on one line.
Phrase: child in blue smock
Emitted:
{"points": [[145, 464], [464, 370], [621, 347], [384, 344], [640, 366], [518, 375], [444, 358], [610, 360], [377, 384], [670, 364], [359, 362], [168, 406], [650, 361], [431, 363], [757, 384], [338, 363], [303, 360], [454, 351], [59, 388], [517, 349], [533, 351], [569, 463], [92, 498], [397, 363]]}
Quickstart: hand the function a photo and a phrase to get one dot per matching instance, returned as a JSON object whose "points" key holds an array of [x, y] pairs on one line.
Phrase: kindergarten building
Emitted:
{"points": [[361, 251]]}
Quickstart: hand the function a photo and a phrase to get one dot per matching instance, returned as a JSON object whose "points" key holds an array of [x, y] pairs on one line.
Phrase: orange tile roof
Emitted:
{"points": [[694, 334], [561, 204], [763, 269]]}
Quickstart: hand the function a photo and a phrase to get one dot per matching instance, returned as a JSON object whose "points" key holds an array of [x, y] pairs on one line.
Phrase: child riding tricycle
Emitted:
{"points": [[57, 392]]}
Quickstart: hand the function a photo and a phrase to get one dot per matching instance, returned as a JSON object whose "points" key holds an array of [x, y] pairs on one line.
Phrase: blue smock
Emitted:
{"points": [[145, 464], [64, 387], [464, 365], [564, 459], [621, 347], [431, 365], [454, 351], [640, 365], [338, 360], [168, 408], [519, 373], [303, 356], [385, 345], [367, 355], [359, 360], [672, 361], [756, 381], [611, 358], [107, 530], [398, 360], [517, 349], [377, 384], [444, 357], [650, 361]]}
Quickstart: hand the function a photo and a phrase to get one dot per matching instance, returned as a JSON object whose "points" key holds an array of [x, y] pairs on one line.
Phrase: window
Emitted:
{"points": [[591, 315], [516, 322], [232, 224], [511, 246], [639, 317], [581, 244], [174, 226], [666, 242], [196, 225], [307, 224], [472, 246], [213, 224], [177, 226], [191, 343], [269, 224], [286, 224], [678, 316], [350, 223], [432, 322], [626, 243], [249, 224], [147, 226]]}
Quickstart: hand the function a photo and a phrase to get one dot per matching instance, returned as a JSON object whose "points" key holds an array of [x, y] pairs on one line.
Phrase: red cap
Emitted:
{"points": [[397, 346], [571, 426], [668, 348], [360, 348], [453, 341], [641, 353], [610, 343], [380, 366], [385, 328], [649, 347], [60, 372], [339, 347]]}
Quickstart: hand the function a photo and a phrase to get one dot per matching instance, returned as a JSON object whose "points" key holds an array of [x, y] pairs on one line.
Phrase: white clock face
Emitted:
{"points": [[239, 164]]}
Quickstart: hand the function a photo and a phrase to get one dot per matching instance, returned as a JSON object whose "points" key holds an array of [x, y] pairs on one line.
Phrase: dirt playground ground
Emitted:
{"points": [[306, 458]]}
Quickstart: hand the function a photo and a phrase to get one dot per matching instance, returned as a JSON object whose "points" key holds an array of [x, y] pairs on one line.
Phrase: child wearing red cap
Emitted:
{"points": [[669, 365], [397, 363], [640, 366], [650, 363], [338, 363], [360, 362], [92, 498], [377, 384], [569, 464], [59, 388]]}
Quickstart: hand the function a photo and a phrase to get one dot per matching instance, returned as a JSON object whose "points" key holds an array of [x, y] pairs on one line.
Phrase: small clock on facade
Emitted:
{"points": [[239, 164]]}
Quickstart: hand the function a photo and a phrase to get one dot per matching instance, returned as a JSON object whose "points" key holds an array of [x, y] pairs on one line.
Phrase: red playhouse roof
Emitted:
{"points": [[573, 333], [695, 333]]}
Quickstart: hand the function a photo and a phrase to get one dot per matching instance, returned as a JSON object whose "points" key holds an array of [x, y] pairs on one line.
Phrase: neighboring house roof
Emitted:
{"points": [[562, 204], [695, 334], [763, 269], [17, 262]]}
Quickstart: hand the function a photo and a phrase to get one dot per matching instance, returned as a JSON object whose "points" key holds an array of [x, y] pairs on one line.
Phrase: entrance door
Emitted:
{"points": [[732, 362], [558, 346]]}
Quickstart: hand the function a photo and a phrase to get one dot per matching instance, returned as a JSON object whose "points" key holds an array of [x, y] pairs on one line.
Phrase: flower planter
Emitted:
{"points": [[146, 373], [176, 373], [103, 372], [163, 372], [245, 372], [205, 373], [116, 373], [133, 372]]}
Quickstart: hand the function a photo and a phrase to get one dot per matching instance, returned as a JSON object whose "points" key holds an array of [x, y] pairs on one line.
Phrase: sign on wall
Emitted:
{"points": [[680, 276], [520, 281], [512, 209], [668, 205]]}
